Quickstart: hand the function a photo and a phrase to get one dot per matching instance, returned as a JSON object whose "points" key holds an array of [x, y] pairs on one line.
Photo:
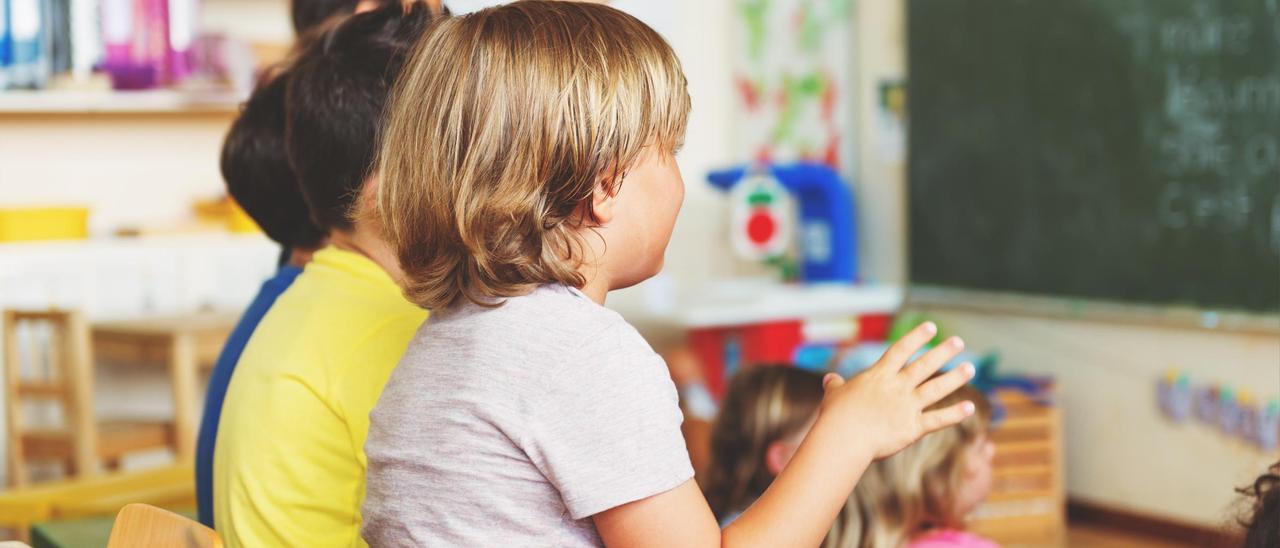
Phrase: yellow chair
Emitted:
{"points": [[144, 525]]}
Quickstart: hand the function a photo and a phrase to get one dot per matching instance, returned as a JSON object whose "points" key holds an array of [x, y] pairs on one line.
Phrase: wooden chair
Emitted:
{"points": [[80, 444], [145, 525]]}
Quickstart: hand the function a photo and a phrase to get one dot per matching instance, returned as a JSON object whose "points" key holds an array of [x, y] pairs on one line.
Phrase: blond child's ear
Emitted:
{"points": [[604, 202]]}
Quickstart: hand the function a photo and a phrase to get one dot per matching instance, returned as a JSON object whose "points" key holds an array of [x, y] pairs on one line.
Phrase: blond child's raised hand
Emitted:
{"points": [[885, 405], [872, 415]]}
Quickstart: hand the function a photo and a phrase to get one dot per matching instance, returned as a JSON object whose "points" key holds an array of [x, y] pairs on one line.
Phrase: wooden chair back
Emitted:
{"points": [[146, 525]]}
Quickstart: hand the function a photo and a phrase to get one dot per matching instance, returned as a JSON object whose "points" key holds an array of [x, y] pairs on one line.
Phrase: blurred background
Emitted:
{"points": [[1087, 191]]}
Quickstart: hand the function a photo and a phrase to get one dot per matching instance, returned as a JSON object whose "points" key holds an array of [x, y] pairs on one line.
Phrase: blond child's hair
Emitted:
{"points": [[763, 404], [501, 126], [915, 489]]}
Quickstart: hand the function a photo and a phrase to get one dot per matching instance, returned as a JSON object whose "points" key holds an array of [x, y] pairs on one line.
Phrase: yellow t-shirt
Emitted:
{"points": [[289, 464]]}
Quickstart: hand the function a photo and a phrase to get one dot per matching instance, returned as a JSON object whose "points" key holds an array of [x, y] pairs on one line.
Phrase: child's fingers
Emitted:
{"points": [[938, 388], [942, 418], [933, 360], [898, 354]]}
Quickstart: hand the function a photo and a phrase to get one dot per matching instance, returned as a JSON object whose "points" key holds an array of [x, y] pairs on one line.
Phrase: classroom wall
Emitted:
{"points": [[1120, 451]]}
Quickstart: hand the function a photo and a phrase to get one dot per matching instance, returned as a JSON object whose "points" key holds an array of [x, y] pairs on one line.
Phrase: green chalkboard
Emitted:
{"points": [[1122, 150]]}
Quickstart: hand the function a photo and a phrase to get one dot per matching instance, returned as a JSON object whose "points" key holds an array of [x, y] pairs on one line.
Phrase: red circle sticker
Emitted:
{"points": [[761, 227]]}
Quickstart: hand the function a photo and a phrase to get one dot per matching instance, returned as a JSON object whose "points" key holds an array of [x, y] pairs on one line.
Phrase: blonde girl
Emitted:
{"points": [[920, 497]]}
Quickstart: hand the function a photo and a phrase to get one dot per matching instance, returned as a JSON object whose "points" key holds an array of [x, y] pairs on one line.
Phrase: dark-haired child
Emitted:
{"points": [[259, 179], [289, 464], [1262, 527]]}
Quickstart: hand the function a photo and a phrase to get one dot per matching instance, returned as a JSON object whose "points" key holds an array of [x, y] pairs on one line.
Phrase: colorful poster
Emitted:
{"points": [[793, 62]]}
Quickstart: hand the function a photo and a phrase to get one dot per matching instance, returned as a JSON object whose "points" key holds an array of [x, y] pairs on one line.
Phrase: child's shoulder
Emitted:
{"points": [[552, 327], [567, 303], [553, 344], [592, 329], [549, 316]]}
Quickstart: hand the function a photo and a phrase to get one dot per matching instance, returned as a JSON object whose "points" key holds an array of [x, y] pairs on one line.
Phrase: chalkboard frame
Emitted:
{"points": [[1085, 309]]}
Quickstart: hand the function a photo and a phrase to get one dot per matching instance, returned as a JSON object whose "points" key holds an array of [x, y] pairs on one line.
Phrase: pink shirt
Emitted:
{"points": [[950, 538]]}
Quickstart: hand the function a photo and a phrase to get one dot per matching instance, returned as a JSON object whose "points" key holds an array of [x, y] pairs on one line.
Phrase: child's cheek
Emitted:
{"points": [[981, 468], [987, 461]]}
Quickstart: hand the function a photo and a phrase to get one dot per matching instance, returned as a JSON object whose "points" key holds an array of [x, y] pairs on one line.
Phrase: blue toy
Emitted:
{"points": [[866, 354], [828, 231]]}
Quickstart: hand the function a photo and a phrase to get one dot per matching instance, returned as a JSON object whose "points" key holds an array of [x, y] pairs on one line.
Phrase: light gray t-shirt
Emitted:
{"points": [[514, 425]]}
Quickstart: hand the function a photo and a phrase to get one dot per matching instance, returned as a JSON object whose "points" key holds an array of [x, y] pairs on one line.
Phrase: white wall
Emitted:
{"points": [[254, 20]]}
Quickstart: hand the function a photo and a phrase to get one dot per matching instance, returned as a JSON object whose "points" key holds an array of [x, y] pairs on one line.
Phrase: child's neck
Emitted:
{"points": [[598, 279], [299, 257], [363, 239]]}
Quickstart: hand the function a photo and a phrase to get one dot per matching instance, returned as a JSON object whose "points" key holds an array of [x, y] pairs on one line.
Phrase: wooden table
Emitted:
{"points": [[184, 343]]}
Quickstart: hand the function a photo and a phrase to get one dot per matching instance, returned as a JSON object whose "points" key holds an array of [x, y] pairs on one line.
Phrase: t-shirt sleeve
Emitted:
{"points": [[606, 432]]}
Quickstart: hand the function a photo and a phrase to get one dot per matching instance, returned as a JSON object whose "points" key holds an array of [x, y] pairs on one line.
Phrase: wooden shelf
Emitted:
{"points": [[160, 101], [117, 244]]}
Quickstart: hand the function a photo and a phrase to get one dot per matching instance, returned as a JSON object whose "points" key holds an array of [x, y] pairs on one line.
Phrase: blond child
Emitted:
{"points": [[527, 170], [921, 496], [918, 498]]}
